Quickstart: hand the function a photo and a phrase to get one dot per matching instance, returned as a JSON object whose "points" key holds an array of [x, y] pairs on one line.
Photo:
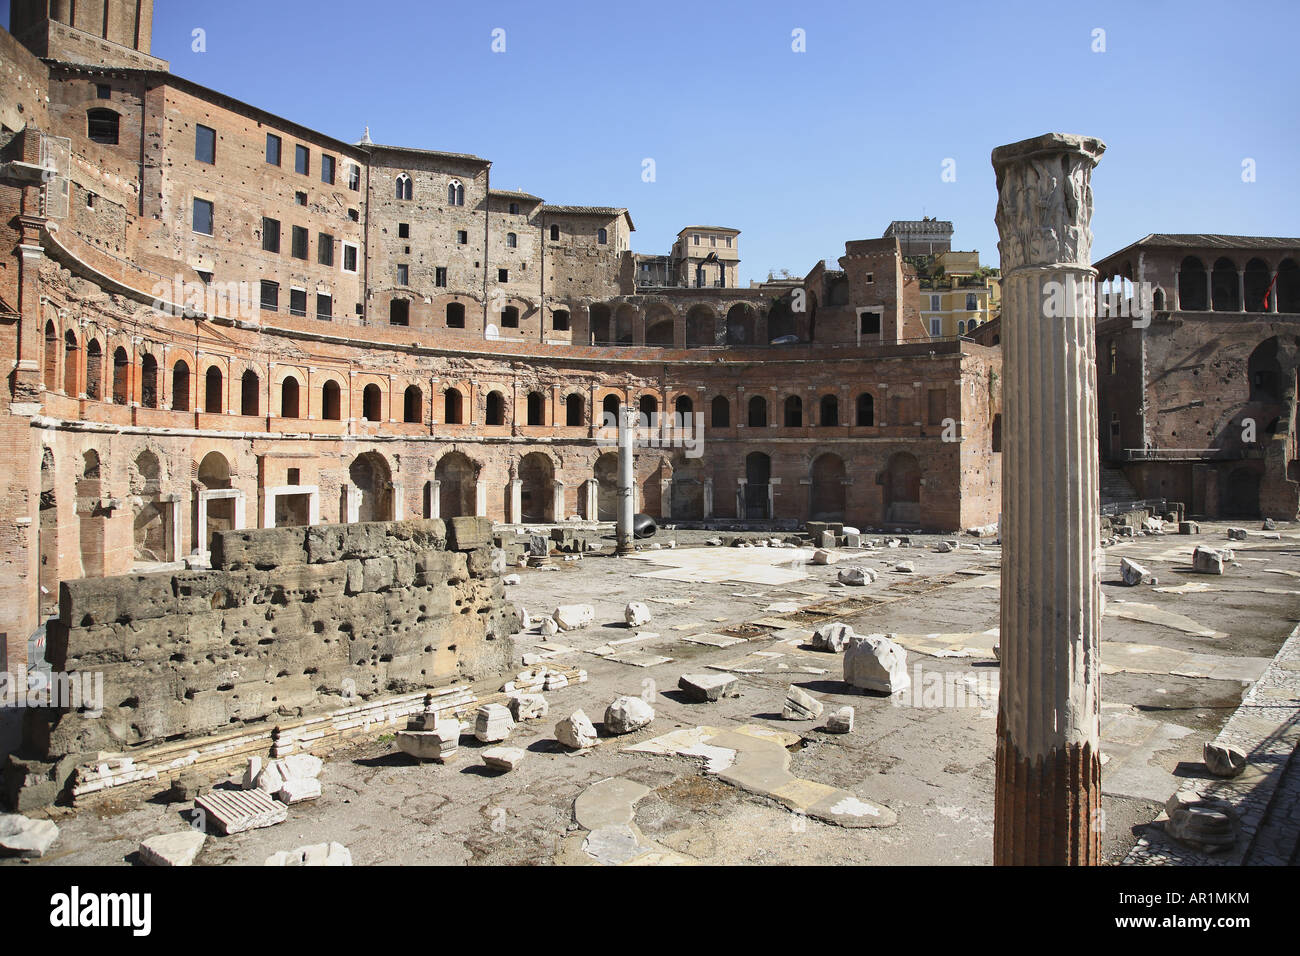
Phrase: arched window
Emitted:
{"points": [[961, 328], [212, 403], [602, 236], [289, 398], [180, 384], [512, 240], [536, 408], [510, 317], [371, 403], [121, 376], [94, 370], [331, 405], [793, 412], [573, 410], [452, 407], [758, 412], [404, 187], [721, 412], [496, 409], [609, 411], [866, 410], [102, 126], [1114, 357], [455, 193], [148, 382], [248, 393], [455, 315], [413, 405], [648, 406], [830, 411], [684, 408], [51, 357], [555, 233], [70, 363]]}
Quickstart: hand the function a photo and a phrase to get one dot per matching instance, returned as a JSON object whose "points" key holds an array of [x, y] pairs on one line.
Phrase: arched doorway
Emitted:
{"points": [[758, 478], [1241, 494], [537, 479], [902, 490], [688, 490], [91, 517], [828, 491], [218, 512], [372, 479], [457, 479], [150, 526], [606, 475]]}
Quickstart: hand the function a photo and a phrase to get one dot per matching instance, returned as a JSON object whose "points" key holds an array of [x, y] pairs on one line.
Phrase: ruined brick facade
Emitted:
{"points": [[216, 318]]}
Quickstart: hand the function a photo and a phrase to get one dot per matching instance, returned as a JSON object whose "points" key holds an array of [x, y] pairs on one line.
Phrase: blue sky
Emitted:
{"points": [[800, 151]]}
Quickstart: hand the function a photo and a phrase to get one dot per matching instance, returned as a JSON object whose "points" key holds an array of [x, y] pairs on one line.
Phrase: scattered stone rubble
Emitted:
{"points": [[1202, 822], [703, 688], [833, 637], [1209, 560], [1134, 574], [318, 854], [874, 662], [430, 735], [840, 721], [576, 731], [504, 759], [800, 705], [856, 576], [572, 617], [627, 715], [172, 849], [234, 811], [493, 723], [24, 837], [636, 614], [528, 707], [1224, 760]]}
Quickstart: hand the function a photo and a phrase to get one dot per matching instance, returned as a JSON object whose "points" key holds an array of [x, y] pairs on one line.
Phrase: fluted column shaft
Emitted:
{"points": [[1049, 710]]}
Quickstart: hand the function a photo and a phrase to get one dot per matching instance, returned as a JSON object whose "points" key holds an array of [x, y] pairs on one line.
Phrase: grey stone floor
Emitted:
{"points": [[933, 766]]}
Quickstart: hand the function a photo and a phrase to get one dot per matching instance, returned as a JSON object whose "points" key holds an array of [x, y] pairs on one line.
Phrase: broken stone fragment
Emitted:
{"points": [[172, 849], [318, 854], [856, 576], [1200, 822], [703, 688], [627, 715], [840, 721], [503, 758], [25, 837], [713, 542], [822, 556], [511, 579], [493, 723], [947, 546], [1188, 527], [299, 790], [571, 617], [576, 731], [1269, 525], [906, 567], [1224, 760], [1134, 574], [833, 637], [1208, 560], [874, 662], [800, 705], [1236, 534], [528, 706], [440, 743], [636, 614], [538, 546], [188, 785], [852, 539], [549, 628]]}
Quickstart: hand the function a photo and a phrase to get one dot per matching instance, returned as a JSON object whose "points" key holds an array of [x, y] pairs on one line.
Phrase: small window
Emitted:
{"points": [[961, 327], [103, 91], [350, 258], [713, 240], [560, 320], [300, 198], [729, 246], [455, 193], [510, 317], [273, 149], [440, 276], [324, 249], [695, 240], [602, 236], [455, 315], [295, 474], [302, 160], [403, 274], [327, 164], [555, 233], [205, 144], [403, 187], [936, 327], [270, 295], [403, 230], [324, 306], [462, 237], [270, 235], [514, 209], [102, 125], [203, 212], [972, 302], [934, 303], [299, 242], [399, 312], [871, 276], [204, 277], [503, 275], [354, 177], [297, 301], [870, 323], [512, 241]]}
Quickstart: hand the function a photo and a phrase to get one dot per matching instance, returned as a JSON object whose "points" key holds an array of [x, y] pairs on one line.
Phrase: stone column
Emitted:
{"points": [[626, 480], [480, 498], [557, 500], [516, 501], [1047, 805], [708, 498]]}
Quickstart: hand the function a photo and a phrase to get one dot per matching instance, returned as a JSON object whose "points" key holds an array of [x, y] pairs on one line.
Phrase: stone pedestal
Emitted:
{"points": [[1047, 806]]}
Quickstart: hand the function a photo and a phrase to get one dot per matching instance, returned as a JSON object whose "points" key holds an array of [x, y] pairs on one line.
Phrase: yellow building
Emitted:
{"points": [[957, 295]]}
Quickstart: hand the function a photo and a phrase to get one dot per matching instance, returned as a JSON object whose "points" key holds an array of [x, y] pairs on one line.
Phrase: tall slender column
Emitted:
{"points": [[626, 502], [1048, 794]]}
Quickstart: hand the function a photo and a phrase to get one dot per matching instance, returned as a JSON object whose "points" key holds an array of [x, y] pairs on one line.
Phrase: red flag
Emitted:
{"points": [[1268, 290]]}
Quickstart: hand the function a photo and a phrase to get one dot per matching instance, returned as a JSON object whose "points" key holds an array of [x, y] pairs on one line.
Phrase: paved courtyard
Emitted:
{"points": [[913, 781]]}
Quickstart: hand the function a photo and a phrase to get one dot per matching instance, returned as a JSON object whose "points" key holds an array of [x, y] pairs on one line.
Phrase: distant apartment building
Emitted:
{"points": [[703, 257], [923, 237], [957, 294]]}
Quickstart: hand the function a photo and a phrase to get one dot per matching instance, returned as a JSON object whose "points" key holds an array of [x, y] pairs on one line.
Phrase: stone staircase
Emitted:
{"points": [[1115, 487]]}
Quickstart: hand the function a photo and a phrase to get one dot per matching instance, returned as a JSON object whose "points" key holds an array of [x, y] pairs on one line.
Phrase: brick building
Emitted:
{"points": [[214, 317]]}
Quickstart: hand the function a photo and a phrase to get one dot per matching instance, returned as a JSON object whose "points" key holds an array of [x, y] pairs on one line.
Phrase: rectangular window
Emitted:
{"points": [[462, 236], [399, 312], [302, 160], [403, 274], [297, 301], [503, 275], [300, 198], [299, 250], [870, 323], [270, 235], [205, 144], [972, 302], [934, 303], [349, 257], [354, 215], [327, 169], [324, 248], [203, 216], [270, 295], [936, 327], [871, 278], [729, 246], [273, 149], [713, 240], [354, 177], [695, 240], [103, 91], [324, 306], [403, 230], [440, 277], [938, 406]]}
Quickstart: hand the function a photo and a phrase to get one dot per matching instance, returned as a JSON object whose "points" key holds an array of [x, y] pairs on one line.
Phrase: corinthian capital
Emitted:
{"points": [[1045, 200]]}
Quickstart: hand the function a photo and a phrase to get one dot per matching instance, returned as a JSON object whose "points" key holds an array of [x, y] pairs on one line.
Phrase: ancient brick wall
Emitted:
{"points": [[290, 621]]}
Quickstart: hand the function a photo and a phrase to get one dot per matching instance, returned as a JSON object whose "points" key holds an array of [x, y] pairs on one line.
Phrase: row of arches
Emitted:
{"points": [[1224, 285]]}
